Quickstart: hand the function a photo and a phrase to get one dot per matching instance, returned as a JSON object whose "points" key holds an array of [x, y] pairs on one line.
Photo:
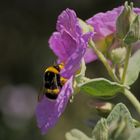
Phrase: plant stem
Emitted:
{"points": [[132, 99], [126, 92], [126, 63], [136, 123], [104, 61]]}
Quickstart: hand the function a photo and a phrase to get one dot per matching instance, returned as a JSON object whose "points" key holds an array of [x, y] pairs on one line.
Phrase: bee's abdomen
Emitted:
{"points": [[52, 93], [52, 80], [51, 96]]}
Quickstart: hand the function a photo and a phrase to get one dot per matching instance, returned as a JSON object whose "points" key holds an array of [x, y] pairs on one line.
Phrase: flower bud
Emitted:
{"points": [[104, 107], [118, 55], [125, 20], [134, 32], [128, 24]]}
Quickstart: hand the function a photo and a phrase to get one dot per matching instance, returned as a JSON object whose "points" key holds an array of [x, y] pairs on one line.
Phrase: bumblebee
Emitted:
{"points": [[53, 82]]}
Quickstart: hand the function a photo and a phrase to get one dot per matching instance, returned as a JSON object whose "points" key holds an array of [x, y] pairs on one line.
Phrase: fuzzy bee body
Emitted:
{"points": [[53, 82]]}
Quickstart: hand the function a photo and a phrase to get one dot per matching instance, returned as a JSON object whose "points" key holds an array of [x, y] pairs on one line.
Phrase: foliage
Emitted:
{"points": [[101, 87], [75, 44], [117, 126], [133, 69]]}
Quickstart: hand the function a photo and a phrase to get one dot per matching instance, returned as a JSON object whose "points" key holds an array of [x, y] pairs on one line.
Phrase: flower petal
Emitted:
{"points": [[68, 21], [56, 44], [63, 45], [48, 111], [90, 55], [69, 43], [105, 23], [74, 61]]}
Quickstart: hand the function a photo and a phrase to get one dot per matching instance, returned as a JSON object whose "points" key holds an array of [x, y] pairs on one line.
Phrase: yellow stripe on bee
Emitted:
{"points": [[63, 80], [53, 91], [61, 66], [52, 69]]}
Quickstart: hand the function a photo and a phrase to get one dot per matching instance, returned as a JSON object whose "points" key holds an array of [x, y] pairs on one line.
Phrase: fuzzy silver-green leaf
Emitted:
{"points": [[101, 87], [76, 134], [133, 69]]}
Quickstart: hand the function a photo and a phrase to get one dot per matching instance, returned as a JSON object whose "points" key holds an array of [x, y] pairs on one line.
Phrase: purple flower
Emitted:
{"points": [[48, 111], [69, 43], [104, 25]]}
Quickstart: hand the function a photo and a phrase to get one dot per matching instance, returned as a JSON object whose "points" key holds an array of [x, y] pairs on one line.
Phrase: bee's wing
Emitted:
{"points": [[41, 94]]}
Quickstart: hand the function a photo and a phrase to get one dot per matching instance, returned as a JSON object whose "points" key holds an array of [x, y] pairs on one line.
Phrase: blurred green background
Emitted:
{"points": [[25, 27]]}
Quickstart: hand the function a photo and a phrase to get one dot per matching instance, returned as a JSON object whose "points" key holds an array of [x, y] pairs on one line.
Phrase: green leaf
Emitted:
{"points": [[101, 87], [120, 111], [135, 134], [100, 131], [76, 134], [120, 123], [133, 69], [117, 126]]}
